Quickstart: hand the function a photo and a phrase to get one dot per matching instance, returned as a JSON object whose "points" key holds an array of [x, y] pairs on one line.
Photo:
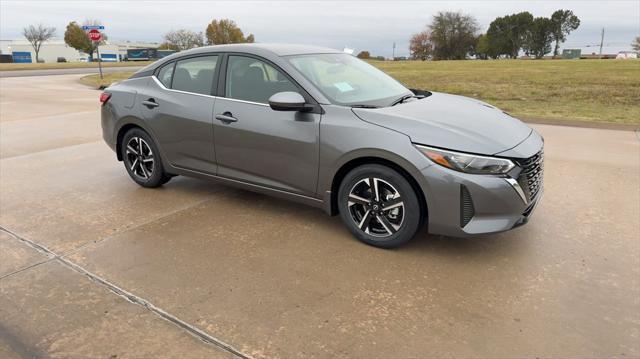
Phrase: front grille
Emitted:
{"points": [[529, 209], [466, 206], [531, 177]]}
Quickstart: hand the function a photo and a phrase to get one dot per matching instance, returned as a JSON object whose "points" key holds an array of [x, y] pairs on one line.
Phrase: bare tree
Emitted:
{"points": [[183, 39], [37, 36], [636, 44]]}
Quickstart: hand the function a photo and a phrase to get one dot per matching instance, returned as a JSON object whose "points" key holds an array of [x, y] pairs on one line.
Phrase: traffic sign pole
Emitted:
{"points": [[95, 36], [99, 60]]}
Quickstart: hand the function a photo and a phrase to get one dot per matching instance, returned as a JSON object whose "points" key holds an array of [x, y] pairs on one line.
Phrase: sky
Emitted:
{"points": [[361, 25]]}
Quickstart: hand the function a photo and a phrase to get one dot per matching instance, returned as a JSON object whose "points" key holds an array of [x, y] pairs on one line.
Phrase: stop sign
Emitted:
{"points": [[95, 35]]}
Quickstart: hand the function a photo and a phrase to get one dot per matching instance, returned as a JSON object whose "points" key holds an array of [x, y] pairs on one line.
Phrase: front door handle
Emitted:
{"points": [[150, 103], [226, 118]]}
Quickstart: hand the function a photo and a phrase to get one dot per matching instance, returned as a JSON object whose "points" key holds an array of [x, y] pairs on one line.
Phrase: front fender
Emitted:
{"points": [[345, 138]]}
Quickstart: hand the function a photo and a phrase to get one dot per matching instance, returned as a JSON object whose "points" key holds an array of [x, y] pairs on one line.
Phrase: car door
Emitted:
{"points": [[178, 106], [256, 144]]}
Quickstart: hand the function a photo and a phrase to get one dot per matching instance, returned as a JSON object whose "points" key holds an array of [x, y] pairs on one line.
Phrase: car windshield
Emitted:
{"points": [[349, 81]]}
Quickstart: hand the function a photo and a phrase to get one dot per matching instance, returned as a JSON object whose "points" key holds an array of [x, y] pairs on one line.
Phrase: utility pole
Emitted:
{"points": [[601, 42], [393, 57]]}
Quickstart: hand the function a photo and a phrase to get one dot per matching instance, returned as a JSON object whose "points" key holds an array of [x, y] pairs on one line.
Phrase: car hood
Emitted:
{"points": [[452, 122]]}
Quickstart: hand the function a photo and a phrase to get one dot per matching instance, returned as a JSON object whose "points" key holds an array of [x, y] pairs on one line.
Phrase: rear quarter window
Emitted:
{"points": [[165, 74]]}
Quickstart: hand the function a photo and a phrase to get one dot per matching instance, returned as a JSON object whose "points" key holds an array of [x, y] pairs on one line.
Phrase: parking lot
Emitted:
{"points": [[92, 265]]}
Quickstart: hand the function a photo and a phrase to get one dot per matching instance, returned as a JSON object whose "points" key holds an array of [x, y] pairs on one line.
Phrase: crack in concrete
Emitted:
{"points": [[128, 296], [118, 232], [25, 268]]}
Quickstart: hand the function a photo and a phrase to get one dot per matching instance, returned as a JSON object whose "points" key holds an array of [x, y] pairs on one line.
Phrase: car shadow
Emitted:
{"points": [[505, 243]]}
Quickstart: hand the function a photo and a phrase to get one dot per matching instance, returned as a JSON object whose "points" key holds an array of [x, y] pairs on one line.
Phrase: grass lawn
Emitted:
{"points": [[587, 90], [96, 82], [68, 65], [583, 90]]}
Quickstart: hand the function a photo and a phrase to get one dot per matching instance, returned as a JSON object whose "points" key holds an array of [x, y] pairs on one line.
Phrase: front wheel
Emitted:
{"points": [[379, 206], [142, 159]]}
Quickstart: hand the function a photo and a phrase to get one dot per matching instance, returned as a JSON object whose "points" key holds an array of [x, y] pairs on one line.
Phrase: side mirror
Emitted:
{"points": [[288, 101]]}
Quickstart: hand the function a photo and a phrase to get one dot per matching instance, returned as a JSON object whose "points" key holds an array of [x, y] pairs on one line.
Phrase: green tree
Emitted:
{"points": [[506, 35], [636, 44], [77, 38], [483, 50], [37, 36], [564, 21], [453, 35], [225, 31], [364, 55], [539, 37], [421, 46]]}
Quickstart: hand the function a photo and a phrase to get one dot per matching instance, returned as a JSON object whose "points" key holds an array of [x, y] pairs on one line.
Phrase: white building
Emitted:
{"points": [[56, 48]]}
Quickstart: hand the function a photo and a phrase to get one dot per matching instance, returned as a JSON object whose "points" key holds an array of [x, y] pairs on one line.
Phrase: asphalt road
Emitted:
{"points": [[106, 70], [91, 265]]}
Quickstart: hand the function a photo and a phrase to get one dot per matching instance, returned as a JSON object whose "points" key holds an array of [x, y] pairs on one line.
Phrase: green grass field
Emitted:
{"points": [[587, 90], [578, 90], [97, 82]]}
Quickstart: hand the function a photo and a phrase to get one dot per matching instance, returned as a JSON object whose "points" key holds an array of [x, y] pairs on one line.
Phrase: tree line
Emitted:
{"points": [[454, 36], [450, 36], [217, 32]]}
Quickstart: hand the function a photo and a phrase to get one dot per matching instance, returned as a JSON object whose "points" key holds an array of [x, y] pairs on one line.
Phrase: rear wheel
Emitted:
{"points": [[142, 160], [379, 206]]}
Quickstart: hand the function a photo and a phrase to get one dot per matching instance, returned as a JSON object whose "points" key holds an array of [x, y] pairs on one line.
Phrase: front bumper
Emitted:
{"points": [[462, 205]]}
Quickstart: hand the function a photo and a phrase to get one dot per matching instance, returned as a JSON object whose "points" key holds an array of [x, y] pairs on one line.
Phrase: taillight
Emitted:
{"points": [[104, 97]]}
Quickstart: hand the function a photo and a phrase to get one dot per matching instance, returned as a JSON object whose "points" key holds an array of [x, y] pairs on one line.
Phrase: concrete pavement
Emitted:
{"points": [[271, 278]]}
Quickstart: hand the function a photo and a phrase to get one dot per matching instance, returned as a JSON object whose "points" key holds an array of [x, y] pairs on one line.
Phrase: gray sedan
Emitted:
{"points": [[324, 128]]}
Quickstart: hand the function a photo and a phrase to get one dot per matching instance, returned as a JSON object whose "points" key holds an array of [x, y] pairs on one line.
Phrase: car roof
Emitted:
{"points": [[265, 50], [261, 48]]}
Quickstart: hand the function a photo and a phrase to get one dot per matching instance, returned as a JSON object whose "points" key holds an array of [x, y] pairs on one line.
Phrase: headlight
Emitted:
{"points": [[466, 162]]}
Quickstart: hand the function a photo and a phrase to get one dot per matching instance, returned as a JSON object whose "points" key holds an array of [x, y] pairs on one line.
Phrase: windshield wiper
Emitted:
{"points": [[363, 106], [402, 99]]}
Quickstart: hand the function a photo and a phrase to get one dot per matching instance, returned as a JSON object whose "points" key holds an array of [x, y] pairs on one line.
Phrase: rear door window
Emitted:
{"points": [[195, 74]]}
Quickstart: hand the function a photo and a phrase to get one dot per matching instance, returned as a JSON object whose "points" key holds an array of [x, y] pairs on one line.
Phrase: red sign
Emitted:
{"points": [[95, 35]]}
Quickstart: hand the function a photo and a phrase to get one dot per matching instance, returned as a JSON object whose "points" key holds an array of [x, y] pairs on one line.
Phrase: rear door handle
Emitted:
{"points": [[150, 103], [226, 117]]}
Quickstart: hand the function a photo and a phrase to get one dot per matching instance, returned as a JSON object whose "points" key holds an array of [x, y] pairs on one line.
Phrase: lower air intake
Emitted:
{"points": [[466, 206]]}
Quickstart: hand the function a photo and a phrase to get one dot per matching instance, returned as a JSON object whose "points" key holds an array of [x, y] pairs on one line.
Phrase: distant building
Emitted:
{"points": [[56, 49], [624, 55]]}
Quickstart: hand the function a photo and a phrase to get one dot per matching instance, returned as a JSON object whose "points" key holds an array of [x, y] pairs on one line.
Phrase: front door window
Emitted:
{"points": [[249, 79]]}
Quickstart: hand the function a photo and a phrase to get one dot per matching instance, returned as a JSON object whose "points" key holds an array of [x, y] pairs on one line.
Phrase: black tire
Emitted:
{"points": [[143, 166], [371, 222]]}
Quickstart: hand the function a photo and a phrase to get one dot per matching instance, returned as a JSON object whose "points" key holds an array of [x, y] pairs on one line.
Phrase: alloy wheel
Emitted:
{"points": [[140, 158], [376, 207]]}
